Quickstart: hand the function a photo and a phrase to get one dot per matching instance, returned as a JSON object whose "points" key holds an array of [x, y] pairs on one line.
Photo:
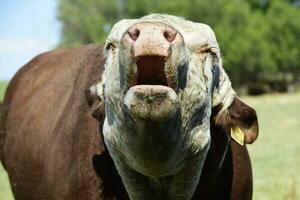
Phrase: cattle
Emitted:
{"points": [[151, 115]]}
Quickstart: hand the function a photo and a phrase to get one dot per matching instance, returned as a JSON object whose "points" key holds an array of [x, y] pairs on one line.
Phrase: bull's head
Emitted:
{"points": [[163, 75]]}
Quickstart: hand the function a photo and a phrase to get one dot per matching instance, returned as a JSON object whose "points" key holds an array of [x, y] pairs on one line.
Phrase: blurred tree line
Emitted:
{"points": [[259, 39]]}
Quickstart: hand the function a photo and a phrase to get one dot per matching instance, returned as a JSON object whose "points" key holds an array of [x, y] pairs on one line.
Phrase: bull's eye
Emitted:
{"points": [[208, 50], [205, 50], [109, 46]]}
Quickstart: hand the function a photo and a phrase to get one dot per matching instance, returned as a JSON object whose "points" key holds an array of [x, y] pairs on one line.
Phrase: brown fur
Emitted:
{"points": [[53, 147], [51, 140], [1, 129], [228, 177]]}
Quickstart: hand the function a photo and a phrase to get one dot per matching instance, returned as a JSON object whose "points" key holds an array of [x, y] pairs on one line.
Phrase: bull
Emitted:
{"points": [[164, 114]]}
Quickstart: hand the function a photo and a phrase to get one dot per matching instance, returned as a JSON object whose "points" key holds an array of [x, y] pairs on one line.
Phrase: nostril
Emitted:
{"points": [[134, 34], [170, 36]]}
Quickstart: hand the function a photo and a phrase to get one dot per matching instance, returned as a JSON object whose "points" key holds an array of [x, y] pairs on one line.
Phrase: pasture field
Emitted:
{"points": [[275, 154], [5, 191], [3, 86]]}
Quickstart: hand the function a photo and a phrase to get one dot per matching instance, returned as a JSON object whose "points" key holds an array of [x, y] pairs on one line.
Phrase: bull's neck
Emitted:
{"points": [[155, 160], [180, 185]]}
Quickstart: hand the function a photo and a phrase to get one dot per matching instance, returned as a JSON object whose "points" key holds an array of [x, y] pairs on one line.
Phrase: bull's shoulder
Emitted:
{"points": [[48, 110]]}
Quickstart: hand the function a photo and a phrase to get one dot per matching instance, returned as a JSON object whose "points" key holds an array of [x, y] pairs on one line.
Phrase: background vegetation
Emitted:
{"points": [[259, 38]]}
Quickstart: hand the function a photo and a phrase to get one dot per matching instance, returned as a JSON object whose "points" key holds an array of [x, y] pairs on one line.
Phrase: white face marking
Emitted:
{"points": [[151, 135]]}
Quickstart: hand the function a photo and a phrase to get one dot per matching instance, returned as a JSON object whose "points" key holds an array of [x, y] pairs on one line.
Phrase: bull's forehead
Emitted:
{"points": [[195, 35]]}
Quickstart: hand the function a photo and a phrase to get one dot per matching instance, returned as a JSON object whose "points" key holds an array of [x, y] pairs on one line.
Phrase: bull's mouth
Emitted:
{"points": [[151, 97], [150, 71]]}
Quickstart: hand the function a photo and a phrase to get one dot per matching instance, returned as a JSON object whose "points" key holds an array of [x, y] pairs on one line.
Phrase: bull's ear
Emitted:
{"points": [[240, 119], [229, 111], [95, 101]]}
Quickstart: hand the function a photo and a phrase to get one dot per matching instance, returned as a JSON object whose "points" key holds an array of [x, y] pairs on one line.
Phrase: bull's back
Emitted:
{"points": [[50, 137]]}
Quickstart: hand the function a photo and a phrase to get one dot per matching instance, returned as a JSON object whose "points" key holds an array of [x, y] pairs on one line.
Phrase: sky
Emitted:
{"points": [[27, 28]]}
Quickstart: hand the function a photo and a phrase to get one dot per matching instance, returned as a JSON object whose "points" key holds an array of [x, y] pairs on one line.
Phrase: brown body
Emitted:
{"points": [[52, 147]]}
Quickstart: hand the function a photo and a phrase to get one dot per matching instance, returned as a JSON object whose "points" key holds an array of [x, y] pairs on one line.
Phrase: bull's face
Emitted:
{"points": [[150, 56], [163, 75]]}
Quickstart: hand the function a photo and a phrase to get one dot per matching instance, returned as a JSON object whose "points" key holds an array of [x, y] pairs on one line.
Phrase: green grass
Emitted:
{"points": [[275, 154], [3, 86], [5, 191]]}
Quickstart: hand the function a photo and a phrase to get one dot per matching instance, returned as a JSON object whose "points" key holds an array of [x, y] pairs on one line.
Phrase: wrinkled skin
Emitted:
{"points": [[160, 84]]}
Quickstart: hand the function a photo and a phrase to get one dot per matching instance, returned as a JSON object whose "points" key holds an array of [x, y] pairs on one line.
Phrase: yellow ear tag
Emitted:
{"points": [[237, 134]]}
